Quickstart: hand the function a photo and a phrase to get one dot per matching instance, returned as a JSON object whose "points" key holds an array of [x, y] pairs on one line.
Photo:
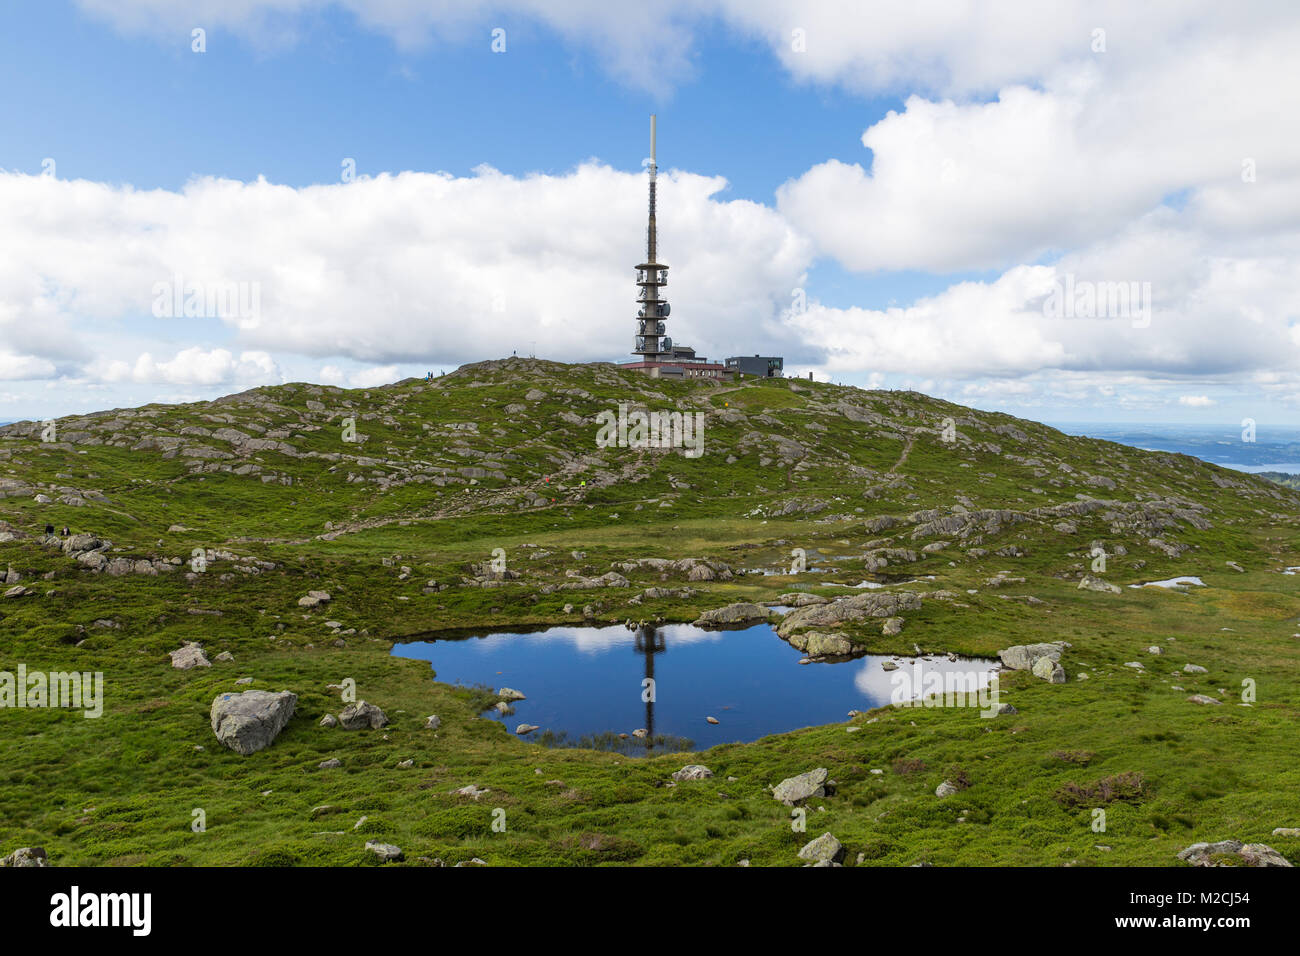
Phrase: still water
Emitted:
{"points": [[586, 681]]}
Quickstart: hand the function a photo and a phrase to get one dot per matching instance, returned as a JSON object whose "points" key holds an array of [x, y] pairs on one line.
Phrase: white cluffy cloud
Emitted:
{"points": [[192, 366], [414, 267]]}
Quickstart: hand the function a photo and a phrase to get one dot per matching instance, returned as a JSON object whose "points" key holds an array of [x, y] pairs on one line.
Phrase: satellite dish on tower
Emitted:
{"points": [[667, 344]]}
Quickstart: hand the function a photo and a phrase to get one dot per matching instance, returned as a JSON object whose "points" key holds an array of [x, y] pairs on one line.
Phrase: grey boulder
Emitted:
{"points": [[792, 790], [739, 613], [824, 850], [27, 856], [694, 771], [249, 722]]}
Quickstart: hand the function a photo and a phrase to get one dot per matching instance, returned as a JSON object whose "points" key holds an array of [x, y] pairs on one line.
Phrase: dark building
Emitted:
{"points": [[763, 366]]}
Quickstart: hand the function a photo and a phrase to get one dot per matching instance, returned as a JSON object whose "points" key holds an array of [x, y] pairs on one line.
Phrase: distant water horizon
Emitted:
{"points": [[1274, 448]]}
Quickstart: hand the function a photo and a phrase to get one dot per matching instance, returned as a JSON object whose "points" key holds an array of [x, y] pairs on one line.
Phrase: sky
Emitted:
{"points": [[1072, 212]]}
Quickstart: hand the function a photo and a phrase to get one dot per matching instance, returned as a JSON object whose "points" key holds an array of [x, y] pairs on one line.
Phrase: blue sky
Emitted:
{"points": [[999, 164]]}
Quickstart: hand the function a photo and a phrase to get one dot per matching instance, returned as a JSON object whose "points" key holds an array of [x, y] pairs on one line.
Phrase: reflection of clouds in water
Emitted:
{"points": [[877, 684], [598, 640]]}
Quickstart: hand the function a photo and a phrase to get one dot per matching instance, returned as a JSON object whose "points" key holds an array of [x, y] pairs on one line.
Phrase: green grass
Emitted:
{"points": [[122, 790]]}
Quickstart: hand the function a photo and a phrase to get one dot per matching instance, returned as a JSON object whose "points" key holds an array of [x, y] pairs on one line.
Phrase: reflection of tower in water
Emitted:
{"points": [[649, 641]]}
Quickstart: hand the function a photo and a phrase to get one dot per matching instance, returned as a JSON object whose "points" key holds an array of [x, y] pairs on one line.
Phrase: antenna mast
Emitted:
{"points": [[650, 231], [651, 276]]}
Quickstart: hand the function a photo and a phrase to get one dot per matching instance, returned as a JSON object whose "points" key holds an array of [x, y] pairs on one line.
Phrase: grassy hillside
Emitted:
{"points": [[396, 524], [1281, 478]]}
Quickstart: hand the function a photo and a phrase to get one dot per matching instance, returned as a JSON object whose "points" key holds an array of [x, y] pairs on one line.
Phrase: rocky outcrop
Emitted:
{"points": [[1248, 854], [249, 722], [739, 613], [822, 643], [800, 599], [843, 610]]}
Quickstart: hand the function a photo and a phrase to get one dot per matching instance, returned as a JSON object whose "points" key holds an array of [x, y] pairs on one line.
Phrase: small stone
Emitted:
{"points": [[471, 791], [330, 764], [360, 715], [526, 729], [432, 722], [329, 720]]}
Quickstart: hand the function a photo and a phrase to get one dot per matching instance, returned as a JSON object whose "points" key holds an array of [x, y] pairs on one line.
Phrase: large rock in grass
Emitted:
{"points": [[1049, 670], [794, 790], [1250, 854], [27, 856], [739, 613], [693, 771], [1042, 660], [1090, 582], [359, 715], [823, 851], [189, 655], [249, 722]]}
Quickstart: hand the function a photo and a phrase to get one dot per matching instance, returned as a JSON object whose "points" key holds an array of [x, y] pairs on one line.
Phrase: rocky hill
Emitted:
{"points": [[299, 529]]}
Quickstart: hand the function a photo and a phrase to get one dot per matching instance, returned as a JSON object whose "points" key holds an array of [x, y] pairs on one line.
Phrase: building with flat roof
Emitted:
{"points": [[763, 366]]}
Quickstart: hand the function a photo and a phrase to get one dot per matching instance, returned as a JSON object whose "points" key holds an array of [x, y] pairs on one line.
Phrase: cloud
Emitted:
{"points": [[1196, 401], [192, 366], [13, 366], [933, 45], [414, 267]]}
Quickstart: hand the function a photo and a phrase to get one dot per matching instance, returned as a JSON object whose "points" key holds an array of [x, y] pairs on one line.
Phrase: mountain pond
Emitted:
{"points": [[585, 685]]}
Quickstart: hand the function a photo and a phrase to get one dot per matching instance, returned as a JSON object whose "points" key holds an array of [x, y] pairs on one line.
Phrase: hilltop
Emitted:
{"points": [[393, 500]]}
